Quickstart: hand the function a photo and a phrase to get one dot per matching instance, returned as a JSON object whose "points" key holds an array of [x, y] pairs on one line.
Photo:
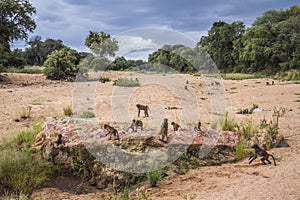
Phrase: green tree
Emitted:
{"points": [[272, 43], [219, 43], [38, 51], [62, 64], [101, 44], [16, 21]]}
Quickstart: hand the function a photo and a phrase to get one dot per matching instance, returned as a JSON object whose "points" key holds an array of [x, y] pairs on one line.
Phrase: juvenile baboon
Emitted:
{"points": [[273, 83], [185, 87], [197, 126], [164, 131], [175, 126], [145, 108], [267, 83], [59, 140], [261, 152], [111, 131], [135, 124], [187, 81]]}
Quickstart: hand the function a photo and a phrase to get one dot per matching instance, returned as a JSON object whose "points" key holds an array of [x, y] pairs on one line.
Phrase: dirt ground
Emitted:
{"points": [[229, 181]]}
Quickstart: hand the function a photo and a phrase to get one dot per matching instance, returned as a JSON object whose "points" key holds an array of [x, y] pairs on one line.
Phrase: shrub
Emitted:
{"points": [[125, 82], [87, 114], [68, 111], [154, 177], [292, 75], [62, 64]]}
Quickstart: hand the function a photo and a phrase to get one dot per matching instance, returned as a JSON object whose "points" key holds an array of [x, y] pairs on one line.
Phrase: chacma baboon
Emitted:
{"points": [[187, 82], [145, 108], [185, 87], [135, 124], [111, 131], [273, 83], [59, 140], [175, 126], [217, 83], [164, 131], [261, 152], [197, 126], [267, 83], [115, 183]]}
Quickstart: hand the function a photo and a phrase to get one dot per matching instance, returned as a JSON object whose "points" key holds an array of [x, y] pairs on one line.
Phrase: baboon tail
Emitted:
{"points": [[273, 159]]}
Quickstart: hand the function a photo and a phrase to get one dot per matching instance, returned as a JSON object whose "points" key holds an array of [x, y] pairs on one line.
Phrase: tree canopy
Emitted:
{"points": [[16, 21], [101, 44]]}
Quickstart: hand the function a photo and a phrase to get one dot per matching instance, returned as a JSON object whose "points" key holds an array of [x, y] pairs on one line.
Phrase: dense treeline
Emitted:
{"points": [[270, 45]]}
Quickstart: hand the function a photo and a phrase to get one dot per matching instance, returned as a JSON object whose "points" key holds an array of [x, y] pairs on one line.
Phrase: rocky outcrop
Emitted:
{"points": [[84, 150]]}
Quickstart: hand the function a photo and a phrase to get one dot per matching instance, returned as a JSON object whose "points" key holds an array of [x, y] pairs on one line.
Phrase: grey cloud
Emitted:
{"points": [[71, 20]]}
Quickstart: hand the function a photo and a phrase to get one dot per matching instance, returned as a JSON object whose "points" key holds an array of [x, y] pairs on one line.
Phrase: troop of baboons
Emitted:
{"points": [[137, 123]]}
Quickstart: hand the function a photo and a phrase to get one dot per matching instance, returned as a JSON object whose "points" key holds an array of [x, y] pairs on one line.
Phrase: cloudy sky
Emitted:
{"points": [[71, 20]]}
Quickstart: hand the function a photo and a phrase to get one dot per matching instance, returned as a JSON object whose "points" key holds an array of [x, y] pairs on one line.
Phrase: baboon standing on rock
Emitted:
{"points": [[175, 126], [145, 108], [135, 124], [111, 131], [197, 126], [163, 134]]}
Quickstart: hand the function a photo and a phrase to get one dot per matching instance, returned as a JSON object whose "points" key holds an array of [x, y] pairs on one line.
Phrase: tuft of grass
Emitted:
{"points": [[68, 110], [154, 176], [37, 101], [248, 129], [26, 138], [87, 114], [240, 150], [21, 173], [240, 76], [25, 113], [228, 124], [125, 82]]}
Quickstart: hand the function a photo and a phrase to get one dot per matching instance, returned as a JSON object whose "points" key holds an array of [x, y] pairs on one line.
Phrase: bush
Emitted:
{"points": [[154, 177], [87, 114], [21, 173], [125, 82], [292, 75], [62, 64], [68, 111]]}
